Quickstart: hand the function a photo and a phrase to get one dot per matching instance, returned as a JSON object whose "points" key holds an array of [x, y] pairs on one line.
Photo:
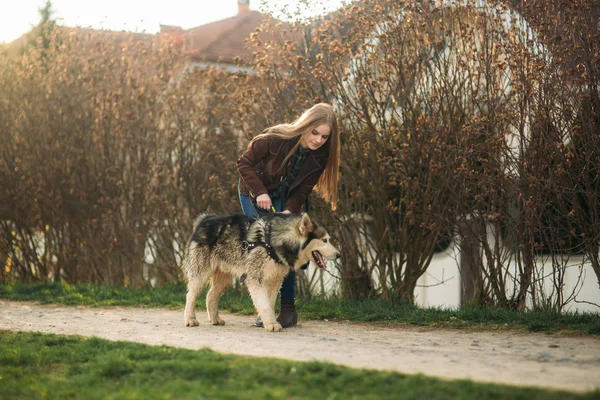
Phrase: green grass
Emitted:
{"points": [[371, 311], [467, 317], [45, 366]]}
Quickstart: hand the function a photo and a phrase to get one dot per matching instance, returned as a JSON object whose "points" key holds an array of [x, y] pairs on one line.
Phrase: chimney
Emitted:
{"points": [[243, 6]]}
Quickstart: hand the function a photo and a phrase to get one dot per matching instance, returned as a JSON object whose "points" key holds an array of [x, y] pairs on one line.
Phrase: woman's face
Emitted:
{"points": [[316, 138]]}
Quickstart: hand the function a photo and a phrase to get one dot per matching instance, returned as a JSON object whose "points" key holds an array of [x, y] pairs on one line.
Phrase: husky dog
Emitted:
{"points": [[261, 250]]}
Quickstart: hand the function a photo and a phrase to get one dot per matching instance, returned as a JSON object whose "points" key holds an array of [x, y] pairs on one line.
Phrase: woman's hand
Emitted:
{"points": [[264, 201]]}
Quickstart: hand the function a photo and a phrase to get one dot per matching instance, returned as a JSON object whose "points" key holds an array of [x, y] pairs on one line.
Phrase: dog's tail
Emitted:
{"points": [[200, 217]]}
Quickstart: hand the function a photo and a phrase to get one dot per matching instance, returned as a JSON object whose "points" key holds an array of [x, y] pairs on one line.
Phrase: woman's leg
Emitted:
{"points": [[287, 316], [288, 286], [247, 206], [289, 282]]}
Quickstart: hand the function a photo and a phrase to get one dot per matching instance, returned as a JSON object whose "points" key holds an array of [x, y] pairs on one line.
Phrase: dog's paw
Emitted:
{"points": [[276, 327], [192, 322], [217, 321]]}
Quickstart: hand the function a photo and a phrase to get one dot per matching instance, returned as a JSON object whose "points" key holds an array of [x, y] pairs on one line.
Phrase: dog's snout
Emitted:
{"points": [[337, 256]]}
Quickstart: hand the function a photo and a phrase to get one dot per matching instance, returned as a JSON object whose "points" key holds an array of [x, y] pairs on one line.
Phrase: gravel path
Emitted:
{"points": [[535, 359]]}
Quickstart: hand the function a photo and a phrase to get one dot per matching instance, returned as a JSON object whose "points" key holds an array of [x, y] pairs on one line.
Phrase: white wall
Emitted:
{"points": [[440, 285]]}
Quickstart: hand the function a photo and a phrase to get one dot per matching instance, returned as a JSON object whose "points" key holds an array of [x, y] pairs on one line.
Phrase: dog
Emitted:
{"points": [[260, 250]]}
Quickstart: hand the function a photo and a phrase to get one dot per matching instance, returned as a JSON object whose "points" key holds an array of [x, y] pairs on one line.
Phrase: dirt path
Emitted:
{"points": [[570, 363]]}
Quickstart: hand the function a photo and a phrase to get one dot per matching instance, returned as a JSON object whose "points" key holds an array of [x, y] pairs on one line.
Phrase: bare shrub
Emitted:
{"points": [[101, 152], [473, 120]]}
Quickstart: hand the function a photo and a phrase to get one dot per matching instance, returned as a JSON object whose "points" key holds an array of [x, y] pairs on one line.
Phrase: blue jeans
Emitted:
{"points": [[289, 282]]}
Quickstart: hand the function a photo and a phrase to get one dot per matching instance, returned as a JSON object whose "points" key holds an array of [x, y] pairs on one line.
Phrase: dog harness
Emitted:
{"points": [[270, 250], [249, 246]]}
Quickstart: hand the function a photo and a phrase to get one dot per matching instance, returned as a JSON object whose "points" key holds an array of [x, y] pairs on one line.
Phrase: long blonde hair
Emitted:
{"points": [[321, 113]]}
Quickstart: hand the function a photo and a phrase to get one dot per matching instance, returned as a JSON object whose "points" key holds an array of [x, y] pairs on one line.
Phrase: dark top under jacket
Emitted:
{"points": [[260, 170]]}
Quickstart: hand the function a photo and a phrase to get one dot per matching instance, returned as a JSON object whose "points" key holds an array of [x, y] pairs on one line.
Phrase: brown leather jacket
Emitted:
{"points": [[259, 168]]}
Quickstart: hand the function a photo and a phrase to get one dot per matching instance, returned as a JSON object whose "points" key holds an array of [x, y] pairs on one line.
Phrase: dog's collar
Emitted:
{"points": [[270, 250]]}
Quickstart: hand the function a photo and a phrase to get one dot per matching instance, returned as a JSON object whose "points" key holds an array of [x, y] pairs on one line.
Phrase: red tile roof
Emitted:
{"points": [[222, 41]]}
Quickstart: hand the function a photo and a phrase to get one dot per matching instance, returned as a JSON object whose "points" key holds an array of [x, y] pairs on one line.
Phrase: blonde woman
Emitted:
{"points": [[282, 166]]}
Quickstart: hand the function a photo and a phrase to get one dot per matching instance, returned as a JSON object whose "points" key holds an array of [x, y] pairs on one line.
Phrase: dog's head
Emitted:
{"points": [[317, 246]]}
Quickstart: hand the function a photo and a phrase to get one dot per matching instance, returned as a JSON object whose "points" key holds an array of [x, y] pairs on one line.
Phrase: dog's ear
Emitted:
{"points": [[306, 225]]}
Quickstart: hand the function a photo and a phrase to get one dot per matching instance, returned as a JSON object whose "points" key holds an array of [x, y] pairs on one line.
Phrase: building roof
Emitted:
{"points": [[223, 41]]}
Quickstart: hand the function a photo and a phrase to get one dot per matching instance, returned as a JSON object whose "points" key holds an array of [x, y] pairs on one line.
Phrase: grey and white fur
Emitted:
{"points": [[262, 249]]}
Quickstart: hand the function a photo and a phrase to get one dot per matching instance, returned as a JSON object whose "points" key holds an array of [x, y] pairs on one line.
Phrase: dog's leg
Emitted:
{"points": [[262, 302], [218, 283], [196, 270], [194, 288], [273, 291]]}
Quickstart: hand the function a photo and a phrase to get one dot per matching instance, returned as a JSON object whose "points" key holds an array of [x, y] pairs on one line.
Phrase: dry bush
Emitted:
{"points": [[103, 153], [456, 119], [474, 121]]}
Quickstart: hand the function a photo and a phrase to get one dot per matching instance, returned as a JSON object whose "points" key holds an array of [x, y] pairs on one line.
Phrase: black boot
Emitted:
{"points": [[288, 316]]}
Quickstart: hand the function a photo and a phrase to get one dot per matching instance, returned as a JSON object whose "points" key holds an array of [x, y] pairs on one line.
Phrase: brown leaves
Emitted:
{"points": [[438, 108]]}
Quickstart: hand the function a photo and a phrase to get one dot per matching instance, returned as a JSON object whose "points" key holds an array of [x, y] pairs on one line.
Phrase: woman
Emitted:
{"points": [[280, 168]]}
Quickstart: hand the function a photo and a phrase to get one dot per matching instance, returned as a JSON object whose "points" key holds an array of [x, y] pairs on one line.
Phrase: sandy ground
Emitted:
{"points": [[537, 359]]}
